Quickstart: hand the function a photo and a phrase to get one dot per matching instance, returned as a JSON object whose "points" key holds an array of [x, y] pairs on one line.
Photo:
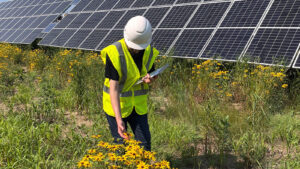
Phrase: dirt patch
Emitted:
{"points": [[79, 121], [3, 109]]}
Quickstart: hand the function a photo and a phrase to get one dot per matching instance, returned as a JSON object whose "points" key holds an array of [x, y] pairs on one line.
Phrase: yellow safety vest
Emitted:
{"points": [[131, 95]]}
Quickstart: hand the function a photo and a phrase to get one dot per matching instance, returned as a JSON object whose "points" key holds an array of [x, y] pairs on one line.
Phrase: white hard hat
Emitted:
{"points": [[138, 33]]}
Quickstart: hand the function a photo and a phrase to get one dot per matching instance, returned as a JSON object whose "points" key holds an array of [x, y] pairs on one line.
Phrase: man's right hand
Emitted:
{"points": [[121, 129]]}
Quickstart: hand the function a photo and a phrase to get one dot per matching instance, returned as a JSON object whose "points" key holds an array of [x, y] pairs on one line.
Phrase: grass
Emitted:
{"points": [[202, 114]]}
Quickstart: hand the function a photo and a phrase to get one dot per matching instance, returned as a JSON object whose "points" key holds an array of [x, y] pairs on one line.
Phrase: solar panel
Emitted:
{"points": [[112, 37], [94, 39], [195, 38], [155, 15], [274, 46], [163, 2], [163, 39], [208, 15], [108, 4], [187, 1], [297, 63], [81, 5], [131, 13], [283, 13], [24, 20], [66, 21], [227, 44], [124, 4], [14, 36], [111, 19], [77, 38], [79, 20], [245, 13], [49, 38], [93, 5], [61, 39], [142, 3], [94, 20], [32, 36], [178, 16]]}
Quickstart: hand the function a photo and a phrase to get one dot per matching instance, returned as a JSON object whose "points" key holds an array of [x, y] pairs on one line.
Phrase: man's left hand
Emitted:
{"points": [[148, 79]]}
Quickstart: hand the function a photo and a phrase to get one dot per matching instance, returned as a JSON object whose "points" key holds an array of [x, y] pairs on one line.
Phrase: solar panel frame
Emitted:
{"points": [[296, 64], [273, 46]]}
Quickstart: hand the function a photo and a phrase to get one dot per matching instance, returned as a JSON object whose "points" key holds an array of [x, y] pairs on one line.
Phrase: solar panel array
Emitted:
{"points": [[22, 21], [261, 31]]}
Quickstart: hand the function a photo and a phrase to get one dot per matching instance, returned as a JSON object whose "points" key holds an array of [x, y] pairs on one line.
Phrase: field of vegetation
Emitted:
{"points": [[202, 114]]}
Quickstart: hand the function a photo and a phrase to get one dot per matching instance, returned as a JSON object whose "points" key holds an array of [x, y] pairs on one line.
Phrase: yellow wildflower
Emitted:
{"points": [[284, 85]]}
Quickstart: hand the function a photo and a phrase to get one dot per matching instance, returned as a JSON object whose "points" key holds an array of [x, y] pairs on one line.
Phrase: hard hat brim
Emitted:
{"points": [[137, 46]]}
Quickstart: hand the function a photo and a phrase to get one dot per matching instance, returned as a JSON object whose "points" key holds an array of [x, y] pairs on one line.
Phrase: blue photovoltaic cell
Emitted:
{"points": [[28, 22], [208, 15], [38, 21], [29, 11], [18, 25], [63, 37], [131, 13], [108, 4], [178, 16], [163, 2], [14, 35], [187, 1], [77, 38], [273, 46], [124, 4], [50, 37], [62, 7], [47, 21], [22, 36], [11, 24], [31, 37], [41, 10], [155, 15], [191, 42], [93, 5], [51, 8], [142, 3], [81, 5], [163, 39], [7, 35], [297, 63], [94, 20], [79, 20], [66, 21], [112, 37], [111, 19], [228, 44], [283, 13], [245, 13], [94, 39]]}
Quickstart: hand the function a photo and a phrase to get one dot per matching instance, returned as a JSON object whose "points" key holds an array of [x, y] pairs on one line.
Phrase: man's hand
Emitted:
{"points": [[148, 79], [122, 129]]}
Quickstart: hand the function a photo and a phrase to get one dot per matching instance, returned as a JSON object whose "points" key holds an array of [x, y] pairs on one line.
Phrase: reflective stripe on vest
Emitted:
{"points": [[149, 61], [123, 65], [129, 93]]}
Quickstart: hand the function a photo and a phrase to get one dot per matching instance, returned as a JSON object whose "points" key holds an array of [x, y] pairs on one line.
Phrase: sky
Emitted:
{"points": [[3, 0]]}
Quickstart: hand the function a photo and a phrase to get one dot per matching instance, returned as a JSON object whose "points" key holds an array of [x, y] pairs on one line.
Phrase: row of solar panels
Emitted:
{"points": [[27, 28], [265, 31], [226, 30], [23, 3]]}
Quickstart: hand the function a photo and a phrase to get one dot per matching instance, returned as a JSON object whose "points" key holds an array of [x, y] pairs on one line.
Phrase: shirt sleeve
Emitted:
{"points": [[110, 70]]}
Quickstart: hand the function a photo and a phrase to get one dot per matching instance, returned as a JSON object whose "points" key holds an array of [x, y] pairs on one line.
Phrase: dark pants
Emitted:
{"points": [[139, 126]]}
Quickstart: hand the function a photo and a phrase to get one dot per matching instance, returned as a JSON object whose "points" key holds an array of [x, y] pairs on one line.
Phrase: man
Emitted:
{"points": [[127, 61]]}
